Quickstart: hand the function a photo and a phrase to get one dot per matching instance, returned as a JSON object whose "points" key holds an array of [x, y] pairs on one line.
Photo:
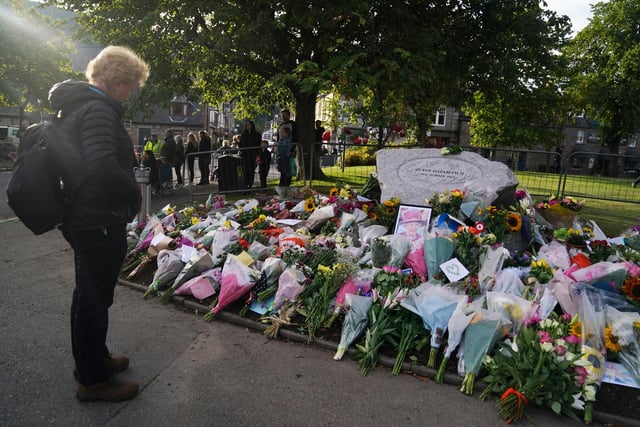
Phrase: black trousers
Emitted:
{"points": [[98, 257]]}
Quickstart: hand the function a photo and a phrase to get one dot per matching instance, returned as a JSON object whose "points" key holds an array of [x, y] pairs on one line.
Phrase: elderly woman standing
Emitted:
{"points": [[95, 155]]}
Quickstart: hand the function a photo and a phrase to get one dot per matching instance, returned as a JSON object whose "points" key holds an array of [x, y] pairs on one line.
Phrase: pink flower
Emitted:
{"points": [[566, 317], [520, 194], [390, 269], [561, 350], [581, 375], [572, 339], [544, 336]]}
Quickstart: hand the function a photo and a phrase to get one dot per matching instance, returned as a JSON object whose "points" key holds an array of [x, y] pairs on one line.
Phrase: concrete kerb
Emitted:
{"points": [[387, 362]]}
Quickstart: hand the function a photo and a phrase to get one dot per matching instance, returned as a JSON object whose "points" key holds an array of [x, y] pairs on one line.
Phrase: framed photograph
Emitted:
{"points": [[413, 221]]}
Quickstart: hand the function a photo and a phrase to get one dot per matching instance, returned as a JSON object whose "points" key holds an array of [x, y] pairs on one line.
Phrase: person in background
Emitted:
{"points": [[264, 162], [192, 147], [249, 148], [286, 150], [179, 160], [317, 138], [149, 161], [168, 154], [204, 159], [97, 172], [154, 145], [285, 155]]}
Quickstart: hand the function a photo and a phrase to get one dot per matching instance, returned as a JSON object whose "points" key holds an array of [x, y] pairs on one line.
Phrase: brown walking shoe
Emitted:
{"points": [[116, 364], [109, 391]]}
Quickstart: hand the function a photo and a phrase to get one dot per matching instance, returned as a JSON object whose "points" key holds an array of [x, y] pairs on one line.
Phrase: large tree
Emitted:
{"points": [[35, 55], [605, 64], [392, 56]]}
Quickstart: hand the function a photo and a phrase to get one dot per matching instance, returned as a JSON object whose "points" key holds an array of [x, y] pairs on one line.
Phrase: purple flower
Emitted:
{"points": [[581, 375], [520, 194]]}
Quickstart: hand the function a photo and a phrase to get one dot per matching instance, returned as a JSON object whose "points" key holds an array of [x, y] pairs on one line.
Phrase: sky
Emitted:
{"points": [[579, 11]]}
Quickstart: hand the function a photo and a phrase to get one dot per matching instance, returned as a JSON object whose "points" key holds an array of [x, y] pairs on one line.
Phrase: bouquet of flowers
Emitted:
{"points": [[622, 338], [447, 202], [538, 366], [559, 212]]}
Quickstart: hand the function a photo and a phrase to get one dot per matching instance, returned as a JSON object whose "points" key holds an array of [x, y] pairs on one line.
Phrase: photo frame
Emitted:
{"points": [[408, 215]]}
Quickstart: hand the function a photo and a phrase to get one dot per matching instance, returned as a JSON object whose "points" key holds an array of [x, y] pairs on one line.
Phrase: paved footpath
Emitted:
{"points": [[191, 372]]}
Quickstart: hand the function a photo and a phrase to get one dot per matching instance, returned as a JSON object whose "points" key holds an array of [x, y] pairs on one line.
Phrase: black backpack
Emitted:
{"points": [[35, 191]]}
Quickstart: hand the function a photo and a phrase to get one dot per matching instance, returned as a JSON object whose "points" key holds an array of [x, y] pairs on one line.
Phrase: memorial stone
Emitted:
{"points": [[415, 175]]}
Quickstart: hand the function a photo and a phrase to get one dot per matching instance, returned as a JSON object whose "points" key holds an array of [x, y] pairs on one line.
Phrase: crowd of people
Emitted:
{"points": [[170, 157]]}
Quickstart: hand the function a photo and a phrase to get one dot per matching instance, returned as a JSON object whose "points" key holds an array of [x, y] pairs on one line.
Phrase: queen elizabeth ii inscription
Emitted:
{"points": [[415, 175]]}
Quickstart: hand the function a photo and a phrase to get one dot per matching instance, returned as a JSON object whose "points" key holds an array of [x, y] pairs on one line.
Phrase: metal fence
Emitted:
{"points": [[542, 173]]}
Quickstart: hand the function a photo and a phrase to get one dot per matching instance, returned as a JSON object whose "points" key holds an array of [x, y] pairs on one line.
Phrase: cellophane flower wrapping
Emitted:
{"points": [[508, 280], [438, 248], [555, 253], [198, 262], [436, 305], [400, 246], [319, 217], [147, 233], [236, 281], [491, 261], [562, 288], [272, 267], [458, 322], [368, 233], [355, 321], [511, 307], [625, 327], [224, 237], [170, 264], [480, 336], [592, 321], [203, 286], [290, 285], [608, 276]]}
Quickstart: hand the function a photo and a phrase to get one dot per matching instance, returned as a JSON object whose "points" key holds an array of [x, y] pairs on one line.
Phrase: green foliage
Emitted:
{"points": [[35, 55], [360, 156], [605, 66]]}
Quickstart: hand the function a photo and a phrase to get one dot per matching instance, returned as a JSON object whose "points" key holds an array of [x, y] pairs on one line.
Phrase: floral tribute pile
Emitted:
{"points": [[498, 288]]}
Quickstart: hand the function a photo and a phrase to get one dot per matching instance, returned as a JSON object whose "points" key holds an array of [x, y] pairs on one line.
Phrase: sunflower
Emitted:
{"points": [[389, 203], [373, 215], [310, 205], [576, 329], [514, 222], [611, 341], [334, 192], [631, 288]]}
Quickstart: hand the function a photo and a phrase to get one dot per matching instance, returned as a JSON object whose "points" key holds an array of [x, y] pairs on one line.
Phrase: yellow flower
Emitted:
{"points": [[611, 341], [457, 193], [576, 329], [195, 220], [514, 222], [388, 203], [324, 269], [333, 192], [310, 205]]}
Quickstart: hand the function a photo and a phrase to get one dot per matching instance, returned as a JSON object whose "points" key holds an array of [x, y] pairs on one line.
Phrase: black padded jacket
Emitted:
{"points": [[96, 158]]}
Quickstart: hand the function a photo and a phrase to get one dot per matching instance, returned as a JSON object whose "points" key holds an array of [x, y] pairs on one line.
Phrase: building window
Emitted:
{"points": [[593, 137], [439, 118], [179, 109], [580, 138], [633, 142]]}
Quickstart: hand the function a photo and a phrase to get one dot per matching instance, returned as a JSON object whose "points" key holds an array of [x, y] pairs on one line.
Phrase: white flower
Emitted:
{"points": [[589, 393], [547, 346], [578, 403], [514, 346]]}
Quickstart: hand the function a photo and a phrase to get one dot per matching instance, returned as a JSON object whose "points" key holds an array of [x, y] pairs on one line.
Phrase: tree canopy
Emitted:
{"points": [[397, 59], [605, 66], [35, 55]]}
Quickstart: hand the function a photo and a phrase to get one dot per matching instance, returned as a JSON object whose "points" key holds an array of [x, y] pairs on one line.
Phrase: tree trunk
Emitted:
{"points": [[305, 120]]}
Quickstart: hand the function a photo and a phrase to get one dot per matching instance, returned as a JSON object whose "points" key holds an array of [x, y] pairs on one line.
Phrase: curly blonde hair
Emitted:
{"points": [[117, 64]]}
